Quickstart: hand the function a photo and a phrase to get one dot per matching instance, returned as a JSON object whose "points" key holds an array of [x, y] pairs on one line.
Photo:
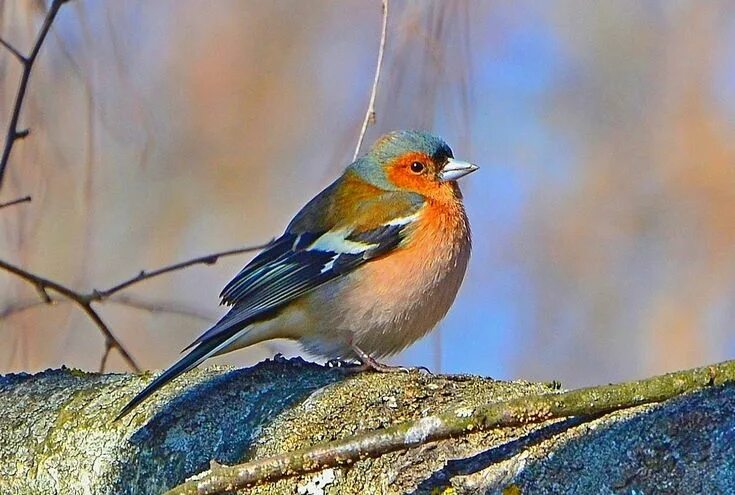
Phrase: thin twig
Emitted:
{"points": [[43, 285], [209, 259], [370, 113], [105, 355], [21, 58], [13, 133], [585, 402], [85, 300], [110, 339], [24, 199]]}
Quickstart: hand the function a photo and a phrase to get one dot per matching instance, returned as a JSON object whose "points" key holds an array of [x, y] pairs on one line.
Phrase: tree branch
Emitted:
{"points": [[82, 300], [370, 113], [13, 133], [209, 259], [583, 402], [105, 355], [21, 58], [24, 199], [85, 300]]}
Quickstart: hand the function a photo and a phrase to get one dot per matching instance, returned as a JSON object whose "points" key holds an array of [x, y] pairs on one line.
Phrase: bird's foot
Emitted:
{"points": [[368, 363]]}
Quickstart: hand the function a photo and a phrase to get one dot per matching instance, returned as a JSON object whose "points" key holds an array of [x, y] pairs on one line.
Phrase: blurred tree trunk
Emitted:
{"points": [[57, 435]]}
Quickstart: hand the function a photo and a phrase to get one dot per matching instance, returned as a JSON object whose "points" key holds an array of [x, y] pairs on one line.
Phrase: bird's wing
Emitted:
{"points": [[329, 238], [304, 258]]}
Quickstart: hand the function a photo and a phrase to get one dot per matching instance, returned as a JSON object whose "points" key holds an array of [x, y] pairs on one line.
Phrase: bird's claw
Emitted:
{"points": [[386, 368], [370, 363]]}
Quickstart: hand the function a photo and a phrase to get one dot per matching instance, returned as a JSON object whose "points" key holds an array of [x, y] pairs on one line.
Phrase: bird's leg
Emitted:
{"points": [[369, 363]]}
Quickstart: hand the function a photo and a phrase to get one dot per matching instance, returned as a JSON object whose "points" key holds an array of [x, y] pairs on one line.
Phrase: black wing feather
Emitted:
{"points": [[385, 238], [288, 270], [270, 254]]}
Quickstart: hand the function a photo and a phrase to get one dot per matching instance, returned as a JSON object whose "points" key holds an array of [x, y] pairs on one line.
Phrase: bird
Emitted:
{"points": [[367, 267]]}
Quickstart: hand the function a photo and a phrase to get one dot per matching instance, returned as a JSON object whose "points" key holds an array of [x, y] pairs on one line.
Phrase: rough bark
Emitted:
{"points": [[57, 435]]}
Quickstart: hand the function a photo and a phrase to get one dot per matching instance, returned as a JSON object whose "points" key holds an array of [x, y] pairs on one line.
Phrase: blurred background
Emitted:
{"points": [[603, 214]]}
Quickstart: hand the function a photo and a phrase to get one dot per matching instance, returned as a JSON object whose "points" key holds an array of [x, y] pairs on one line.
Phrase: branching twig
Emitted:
{"points": [[586, 402], [82, 300], [370, 113], [85, 300], [21, 58], [209, 259], [43, 285], [13, 133], [25, 199]]}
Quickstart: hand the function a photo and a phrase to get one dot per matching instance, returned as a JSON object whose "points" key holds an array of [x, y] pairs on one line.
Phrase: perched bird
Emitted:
{"points": [[367, 267]]}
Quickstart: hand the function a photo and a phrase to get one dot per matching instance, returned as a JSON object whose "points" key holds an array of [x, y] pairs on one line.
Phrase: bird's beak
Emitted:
{"points": [[454, 169]]}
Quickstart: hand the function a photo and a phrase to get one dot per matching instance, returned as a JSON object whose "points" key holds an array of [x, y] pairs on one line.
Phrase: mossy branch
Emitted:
{"points": [[585, 402]]}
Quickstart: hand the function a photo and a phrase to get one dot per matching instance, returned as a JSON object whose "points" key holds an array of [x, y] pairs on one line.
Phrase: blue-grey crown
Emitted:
{"points": [[396, 143], [393, 145]]}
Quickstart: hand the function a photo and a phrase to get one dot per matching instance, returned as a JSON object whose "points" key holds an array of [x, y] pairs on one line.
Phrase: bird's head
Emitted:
{"points": [[413, 161]]}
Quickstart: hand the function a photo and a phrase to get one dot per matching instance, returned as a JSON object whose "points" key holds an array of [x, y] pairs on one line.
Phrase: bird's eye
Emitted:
{"points": [[417, 167]]}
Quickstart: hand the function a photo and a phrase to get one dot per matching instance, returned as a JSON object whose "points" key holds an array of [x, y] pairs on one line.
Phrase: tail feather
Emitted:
{"points": [[187, 362]]}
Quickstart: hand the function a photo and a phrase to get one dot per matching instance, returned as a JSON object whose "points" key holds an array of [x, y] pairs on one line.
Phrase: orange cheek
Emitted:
{"points": [[400, 174]]}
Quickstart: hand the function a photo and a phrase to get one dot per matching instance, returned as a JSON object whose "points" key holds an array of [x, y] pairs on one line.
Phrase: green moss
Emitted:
{"points": [[77, 373]]}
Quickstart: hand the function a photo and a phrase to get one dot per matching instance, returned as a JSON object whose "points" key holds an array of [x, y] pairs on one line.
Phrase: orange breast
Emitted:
{"points": [[431, 245], [405, 293]]}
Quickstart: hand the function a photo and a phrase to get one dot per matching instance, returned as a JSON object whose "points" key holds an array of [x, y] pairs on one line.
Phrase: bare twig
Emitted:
{"points": [[13, 133], [209, 259], [105, 355], [370, 113], [21, 58], [85, 300], [24, 199], [585, 402], [43, 285]]}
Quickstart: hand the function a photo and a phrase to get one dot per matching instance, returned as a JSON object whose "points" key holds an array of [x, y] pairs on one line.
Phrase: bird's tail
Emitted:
{"points": [[193, 358]]}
